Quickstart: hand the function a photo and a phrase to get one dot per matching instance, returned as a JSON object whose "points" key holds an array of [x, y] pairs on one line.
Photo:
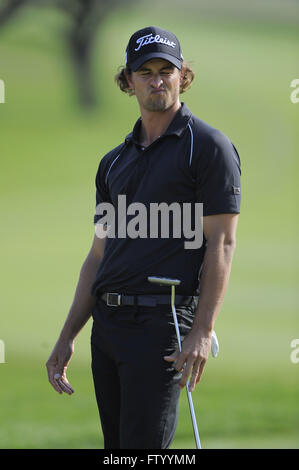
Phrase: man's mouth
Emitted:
{"points": [[158, 92]]}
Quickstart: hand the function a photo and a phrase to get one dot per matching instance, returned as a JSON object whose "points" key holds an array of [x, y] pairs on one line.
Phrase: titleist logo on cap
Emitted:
{"points": [[161, 44], [150, 39]]}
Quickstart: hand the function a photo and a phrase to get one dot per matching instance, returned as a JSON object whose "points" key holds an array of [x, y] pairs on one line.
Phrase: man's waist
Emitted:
{"points": [[115, 299]]}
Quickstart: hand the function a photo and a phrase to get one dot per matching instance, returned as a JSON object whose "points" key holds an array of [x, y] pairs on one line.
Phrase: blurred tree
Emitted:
{"points": [[85, 16]]}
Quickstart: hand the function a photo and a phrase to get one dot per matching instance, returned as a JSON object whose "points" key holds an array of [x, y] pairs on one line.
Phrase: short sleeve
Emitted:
{"points": [[218, 184], [102, 192]]}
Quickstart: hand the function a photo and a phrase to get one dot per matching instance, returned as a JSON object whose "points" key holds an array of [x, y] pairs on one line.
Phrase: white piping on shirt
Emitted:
{"points": [[106, 179], [191, 148]]}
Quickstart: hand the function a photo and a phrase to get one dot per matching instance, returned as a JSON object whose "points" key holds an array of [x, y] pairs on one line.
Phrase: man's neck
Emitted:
{"points": [[154, 124]]}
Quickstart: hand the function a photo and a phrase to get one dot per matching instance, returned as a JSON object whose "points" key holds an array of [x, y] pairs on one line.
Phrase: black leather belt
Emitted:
{"points": [[113, 299]]}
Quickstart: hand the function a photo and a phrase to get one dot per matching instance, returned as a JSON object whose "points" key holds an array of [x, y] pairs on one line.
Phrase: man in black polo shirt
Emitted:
{"points": [[171, 159]]}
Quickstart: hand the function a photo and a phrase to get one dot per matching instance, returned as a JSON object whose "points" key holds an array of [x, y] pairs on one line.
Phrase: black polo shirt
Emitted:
{"points": [[191, 162]]}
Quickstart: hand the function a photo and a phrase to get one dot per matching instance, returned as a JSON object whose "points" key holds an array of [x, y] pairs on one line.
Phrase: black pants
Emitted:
{"points": [[137, 391]]}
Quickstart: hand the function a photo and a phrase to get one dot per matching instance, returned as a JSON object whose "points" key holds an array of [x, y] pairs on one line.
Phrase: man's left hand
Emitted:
{"points": [[193, 357]]}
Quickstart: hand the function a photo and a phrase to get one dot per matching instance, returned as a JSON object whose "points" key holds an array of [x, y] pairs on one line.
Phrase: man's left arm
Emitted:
{"points": [[220, 233]]}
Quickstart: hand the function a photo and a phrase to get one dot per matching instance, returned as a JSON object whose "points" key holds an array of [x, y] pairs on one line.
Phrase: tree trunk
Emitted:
{"points": [[81, 49], [10, 9]]}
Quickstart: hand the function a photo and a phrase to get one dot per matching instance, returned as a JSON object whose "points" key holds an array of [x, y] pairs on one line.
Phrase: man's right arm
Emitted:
{"points": [[79, 313]]}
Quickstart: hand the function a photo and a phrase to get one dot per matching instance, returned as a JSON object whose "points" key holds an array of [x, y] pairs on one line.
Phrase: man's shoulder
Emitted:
{"points": [[207, 135], [109, 156], [209, 143], [107, 160]]}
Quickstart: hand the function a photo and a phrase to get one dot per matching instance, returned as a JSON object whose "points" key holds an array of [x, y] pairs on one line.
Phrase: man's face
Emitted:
{"points": [[156, 84]]}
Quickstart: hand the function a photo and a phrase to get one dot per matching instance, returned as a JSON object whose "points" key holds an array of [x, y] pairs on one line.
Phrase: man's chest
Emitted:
{"points": [[159, 173]]}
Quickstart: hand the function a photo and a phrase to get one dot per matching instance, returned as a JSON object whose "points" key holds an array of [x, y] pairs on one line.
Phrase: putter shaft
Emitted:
{"points": [[190, 401]]}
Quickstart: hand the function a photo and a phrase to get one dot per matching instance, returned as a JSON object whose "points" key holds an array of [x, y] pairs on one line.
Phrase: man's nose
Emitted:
{"points": [[156, 81]]}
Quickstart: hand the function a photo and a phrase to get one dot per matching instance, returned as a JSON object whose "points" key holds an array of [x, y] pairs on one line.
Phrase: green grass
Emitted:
{"points": [[248, 412], [49, 153]]}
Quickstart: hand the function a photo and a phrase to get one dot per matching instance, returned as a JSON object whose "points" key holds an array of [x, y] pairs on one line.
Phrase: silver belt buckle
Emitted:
{"points": [[113, 299]]}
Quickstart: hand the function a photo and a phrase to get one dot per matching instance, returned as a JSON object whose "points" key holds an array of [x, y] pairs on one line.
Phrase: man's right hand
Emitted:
{"points": [[57, 365], [80, 311]]}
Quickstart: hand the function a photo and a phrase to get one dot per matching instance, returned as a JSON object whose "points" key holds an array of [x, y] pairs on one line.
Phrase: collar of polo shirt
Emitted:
{"points": [[176, 127]]}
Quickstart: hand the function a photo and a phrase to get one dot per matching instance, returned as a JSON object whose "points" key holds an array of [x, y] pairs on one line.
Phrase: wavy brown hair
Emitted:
{"points": [[121, 81]]}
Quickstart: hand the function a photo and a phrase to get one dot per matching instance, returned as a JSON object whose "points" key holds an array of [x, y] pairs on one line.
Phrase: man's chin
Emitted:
{"points": [[157, 105]]}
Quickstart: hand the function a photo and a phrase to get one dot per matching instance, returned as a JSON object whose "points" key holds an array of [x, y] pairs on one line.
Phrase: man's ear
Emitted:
{"points": [[129, 79], [182, 74]]}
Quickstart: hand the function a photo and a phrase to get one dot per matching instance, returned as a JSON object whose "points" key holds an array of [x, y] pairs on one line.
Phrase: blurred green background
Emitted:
{"points": [[245, 55]]}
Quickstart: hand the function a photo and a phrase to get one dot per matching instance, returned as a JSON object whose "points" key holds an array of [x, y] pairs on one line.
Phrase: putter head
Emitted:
{"points": [[214, 345], [163, 281]]}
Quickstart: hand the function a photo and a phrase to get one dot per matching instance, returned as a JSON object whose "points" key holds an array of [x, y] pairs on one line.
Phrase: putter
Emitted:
{"points": [[162, 281]]}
